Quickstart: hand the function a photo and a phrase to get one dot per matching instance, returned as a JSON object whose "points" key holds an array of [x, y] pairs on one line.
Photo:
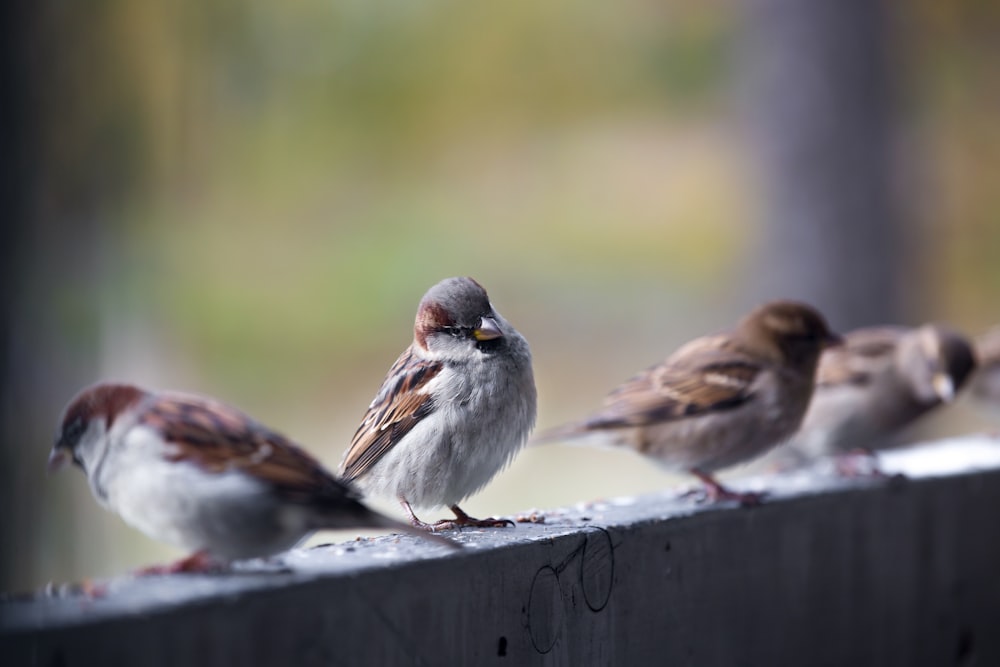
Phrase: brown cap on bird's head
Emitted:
{"points": [[794, 332], [103, 400], [459, 307]]}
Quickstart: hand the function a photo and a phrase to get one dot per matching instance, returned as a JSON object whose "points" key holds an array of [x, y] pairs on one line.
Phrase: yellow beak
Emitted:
{"points": [[57, 459], [488, 329], [944, 387]]}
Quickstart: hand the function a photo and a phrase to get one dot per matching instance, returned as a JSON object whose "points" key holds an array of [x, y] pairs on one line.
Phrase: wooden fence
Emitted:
{"points": [[828, 572]]}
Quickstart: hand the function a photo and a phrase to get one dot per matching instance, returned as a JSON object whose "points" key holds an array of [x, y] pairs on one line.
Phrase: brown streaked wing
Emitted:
{"points": [[670, 391], [399, 406], [697, 350], [865, 353], [218, 438]]}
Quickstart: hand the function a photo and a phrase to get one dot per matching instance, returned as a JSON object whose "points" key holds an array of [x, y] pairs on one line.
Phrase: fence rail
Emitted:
{"points": [[828, 572]]}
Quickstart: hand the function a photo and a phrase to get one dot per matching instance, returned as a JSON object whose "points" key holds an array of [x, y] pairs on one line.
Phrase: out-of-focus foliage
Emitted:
{"points": [[953, 62], [306, 163]]}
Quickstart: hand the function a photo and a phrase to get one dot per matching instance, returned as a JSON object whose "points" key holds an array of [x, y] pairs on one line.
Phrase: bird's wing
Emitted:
{"points": [[401, 403], [706, 378], [219, 438], [864, 354]]}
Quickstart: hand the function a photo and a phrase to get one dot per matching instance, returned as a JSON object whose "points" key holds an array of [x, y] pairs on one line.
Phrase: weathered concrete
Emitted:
{"points": [[902, 572]]}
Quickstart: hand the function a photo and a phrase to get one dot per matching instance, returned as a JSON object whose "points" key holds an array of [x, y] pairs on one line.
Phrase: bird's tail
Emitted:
{"points": [[562, 433], [588, 433]]}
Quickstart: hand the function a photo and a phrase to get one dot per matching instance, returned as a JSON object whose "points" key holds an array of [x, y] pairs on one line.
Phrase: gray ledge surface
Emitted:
{"points": [[827, 572]]}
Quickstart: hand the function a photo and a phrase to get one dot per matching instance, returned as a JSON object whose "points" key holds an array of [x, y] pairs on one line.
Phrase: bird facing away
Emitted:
{"points": [[200, 475], [880, 381], [452, 411], [719, 400]]}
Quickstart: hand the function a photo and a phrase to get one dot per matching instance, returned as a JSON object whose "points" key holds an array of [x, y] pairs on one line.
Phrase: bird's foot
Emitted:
{"points": [[744, 498], [198, 562], [858, 463], [463, 520], [93, 589], [715, 492]]}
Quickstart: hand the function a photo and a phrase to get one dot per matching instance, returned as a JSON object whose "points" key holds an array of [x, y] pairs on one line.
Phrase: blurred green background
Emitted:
{"points": [[248, 199]]}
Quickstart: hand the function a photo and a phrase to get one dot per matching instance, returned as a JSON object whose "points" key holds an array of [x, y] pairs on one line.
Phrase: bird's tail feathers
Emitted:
{"points": [[576, 433], [561, 433]]}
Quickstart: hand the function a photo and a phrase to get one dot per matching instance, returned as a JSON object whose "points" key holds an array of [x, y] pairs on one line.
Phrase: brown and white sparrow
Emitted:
{"points": [[202, 476], [881, 380], [718, 401], [985, 383], [453, 410]]}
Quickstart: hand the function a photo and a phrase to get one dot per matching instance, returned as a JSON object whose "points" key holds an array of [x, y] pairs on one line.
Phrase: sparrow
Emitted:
{"points": [[453, 410], [985, 383], [880, 381], [200, 475], [719, 400]]}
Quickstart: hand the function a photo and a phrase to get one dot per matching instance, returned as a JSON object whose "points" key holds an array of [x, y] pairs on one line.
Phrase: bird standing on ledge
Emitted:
{"points": [[453, 410], [200, 475], [718, 401], [880, 381]]}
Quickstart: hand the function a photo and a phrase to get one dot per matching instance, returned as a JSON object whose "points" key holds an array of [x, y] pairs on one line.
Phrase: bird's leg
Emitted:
{"points": [[466, 520], [715, 492], [92, 589], [462, 520], [414, 521], [199, 561], [858, 463]]}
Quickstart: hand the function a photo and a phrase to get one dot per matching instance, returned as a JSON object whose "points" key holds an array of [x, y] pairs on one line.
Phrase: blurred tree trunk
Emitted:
{"points": [[821, 113], [17, 178], [64, 164]]}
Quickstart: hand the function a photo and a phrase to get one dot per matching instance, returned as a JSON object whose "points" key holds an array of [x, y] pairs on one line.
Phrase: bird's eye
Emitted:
{"points": [[75, 430]]}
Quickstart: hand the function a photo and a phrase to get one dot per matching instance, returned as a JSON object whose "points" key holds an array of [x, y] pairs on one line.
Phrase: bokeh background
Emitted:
{"points": [[248, 199]]}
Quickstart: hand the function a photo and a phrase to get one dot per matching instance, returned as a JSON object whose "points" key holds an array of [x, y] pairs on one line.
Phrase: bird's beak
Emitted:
{"points": [[58, 458], [488, 329], [832, 340], [944, 387]]}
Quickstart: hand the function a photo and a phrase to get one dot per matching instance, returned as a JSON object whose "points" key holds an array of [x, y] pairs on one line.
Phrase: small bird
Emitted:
{"points": [[202, 476], [719, 400], [985, 384], [453, 410], [881, 380]]}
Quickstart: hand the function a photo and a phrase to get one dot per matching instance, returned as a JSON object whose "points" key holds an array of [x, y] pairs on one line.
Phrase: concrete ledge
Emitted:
{"points": [[885, 572]]}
